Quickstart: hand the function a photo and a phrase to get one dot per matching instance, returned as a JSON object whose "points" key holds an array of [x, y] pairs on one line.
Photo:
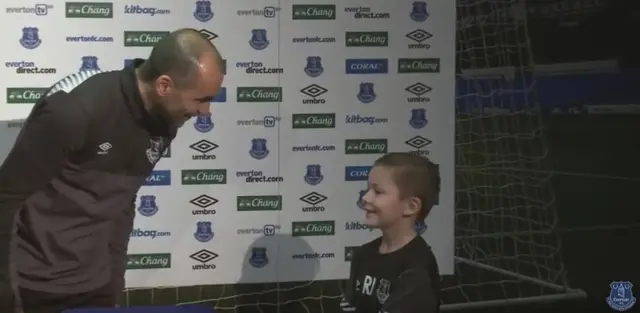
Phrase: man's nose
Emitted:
{"points": [[204, 108]]}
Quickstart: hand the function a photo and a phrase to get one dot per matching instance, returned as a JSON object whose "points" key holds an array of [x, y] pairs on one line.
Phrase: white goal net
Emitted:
{"points": [[505, 214]]}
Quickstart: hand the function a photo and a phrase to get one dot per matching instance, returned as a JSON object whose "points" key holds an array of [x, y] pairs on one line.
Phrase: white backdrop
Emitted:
{"points": [[315, 91]]}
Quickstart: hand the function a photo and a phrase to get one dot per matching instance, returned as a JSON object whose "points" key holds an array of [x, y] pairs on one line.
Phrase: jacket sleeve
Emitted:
{"points": [[118, 246], [55, 128], [412, 292]]}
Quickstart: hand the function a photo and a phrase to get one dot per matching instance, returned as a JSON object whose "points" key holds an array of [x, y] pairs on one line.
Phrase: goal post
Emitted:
{"points": [[507, 251]]}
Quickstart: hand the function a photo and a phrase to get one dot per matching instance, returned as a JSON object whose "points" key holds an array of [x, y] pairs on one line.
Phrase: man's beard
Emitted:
{"points": [[160, 114]]}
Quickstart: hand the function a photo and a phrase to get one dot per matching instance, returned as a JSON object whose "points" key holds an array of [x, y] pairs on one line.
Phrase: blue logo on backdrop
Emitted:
{"points": [[360, 202], [367, 66], [259, 257], [221, 96], [203, 11], [356, 173], [621, 296], [366, 93], [147, 206], [30, 38], [203, 123], [419, 11], [418, 118], [314, 66], [259, 39], [158, 178], [128, 62], [313, 176], [203, 233], [89, 63], [421, 227], [259, 149]]}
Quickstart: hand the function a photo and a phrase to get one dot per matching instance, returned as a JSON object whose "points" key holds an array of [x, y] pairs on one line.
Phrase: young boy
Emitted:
{"points": [[397, 273]]}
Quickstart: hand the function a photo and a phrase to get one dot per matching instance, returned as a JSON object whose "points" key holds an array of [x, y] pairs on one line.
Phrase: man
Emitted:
{"points": [[74, 171]]}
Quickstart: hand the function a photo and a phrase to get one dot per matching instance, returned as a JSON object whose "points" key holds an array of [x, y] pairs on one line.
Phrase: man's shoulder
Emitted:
{"points": [[93, 84], [71, 81], [89, 90]]}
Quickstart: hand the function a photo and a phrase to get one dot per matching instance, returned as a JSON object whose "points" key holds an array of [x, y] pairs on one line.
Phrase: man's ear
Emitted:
{"points": [[164, 85]]}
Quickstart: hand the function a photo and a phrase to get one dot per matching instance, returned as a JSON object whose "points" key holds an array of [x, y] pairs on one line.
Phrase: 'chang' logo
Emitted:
{"points": [[365, 146], [204, 177], [25, 94], [424, 65], [259, 203], [88, 9], [259, 94], [143, 38], [314, 12], [314, 120], [367, 39], [315, 228]]}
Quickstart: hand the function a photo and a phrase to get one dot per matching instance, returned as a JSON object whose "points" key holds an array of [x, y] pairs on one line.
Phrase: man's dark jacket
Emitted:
{"points": [[72, 178]]}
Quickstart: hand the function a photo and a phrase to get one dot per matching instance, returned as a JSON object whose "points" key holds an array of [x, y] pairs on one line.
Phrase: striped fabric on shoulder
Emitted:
{"points": [[71, 81]]}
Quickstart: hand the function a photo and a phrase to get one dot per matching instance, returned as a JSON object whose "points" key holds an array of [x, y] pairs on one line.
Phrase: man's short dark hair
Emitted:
{"points": [[178, 56]]}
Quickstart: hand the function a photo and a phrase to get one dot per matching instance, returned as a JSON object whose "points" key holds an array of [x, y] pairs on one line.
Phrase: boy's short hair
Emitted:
{"points": [[415, 176]]}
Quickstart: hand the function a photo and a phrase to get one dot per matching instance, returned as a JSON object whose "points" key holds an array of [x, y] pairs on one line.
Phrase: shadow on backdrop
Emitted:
{"points": [[9, 130], [275, 258]]}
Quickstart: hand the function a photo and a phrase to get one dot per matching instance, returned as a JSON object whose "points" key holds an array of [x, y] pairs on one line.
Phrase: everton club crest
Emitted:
{"points": [[259, 257], [314, 68], [147, 205], [203, 233], [313, 176], [621, 296], [203, 12], [259, 149]]}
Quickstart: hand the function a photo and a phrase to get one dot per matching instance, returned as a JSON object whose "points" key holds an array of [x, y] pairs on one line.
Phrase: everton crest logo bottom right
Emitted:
{"points": [[621, 296]]}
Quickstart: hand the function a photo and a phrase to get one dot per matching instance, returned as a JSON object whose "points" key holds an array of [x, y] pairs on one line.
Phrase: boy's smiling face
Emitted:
{"points": [[383, 202]]}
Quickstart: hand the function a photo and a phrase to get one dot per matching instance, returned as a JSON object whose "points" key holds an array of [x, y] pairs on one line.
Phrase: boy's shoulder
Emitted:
{"points": [[372, 245], [375, 243], [419, 247], [417, 250], [369, 248], [422, 255]]}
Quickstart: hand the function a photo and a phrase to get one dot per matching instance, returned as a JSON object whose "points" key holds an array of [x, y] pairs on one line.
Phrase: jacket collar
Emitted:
{"points": [[156, 125], [131, 93]]}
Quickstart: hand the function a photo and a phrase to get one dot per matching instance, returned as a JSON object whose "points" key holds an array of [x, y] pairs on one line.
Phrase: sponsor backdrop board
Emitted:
{"points": [[314, 93]]}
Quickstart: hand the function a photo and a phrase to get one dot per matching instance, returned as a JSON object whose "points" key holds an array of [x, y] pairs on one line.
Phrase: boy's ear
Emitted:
{"points": [[414, 204]]}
